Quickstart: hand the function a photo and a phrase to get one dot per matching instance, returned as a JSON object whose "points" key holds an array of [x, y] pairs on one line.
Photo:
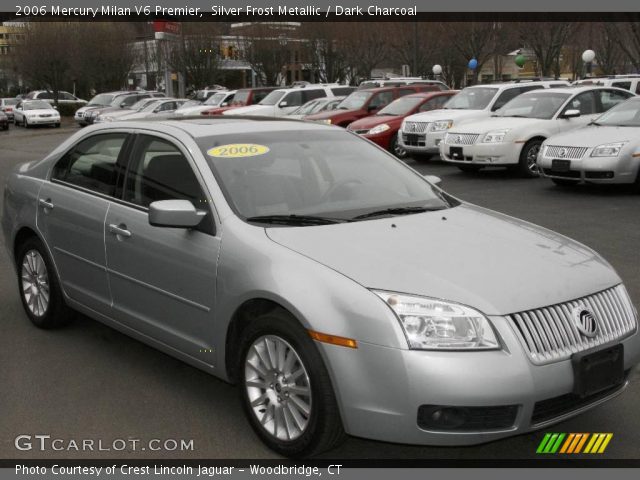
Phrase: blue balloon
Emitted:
{"points": [[473, 64]]}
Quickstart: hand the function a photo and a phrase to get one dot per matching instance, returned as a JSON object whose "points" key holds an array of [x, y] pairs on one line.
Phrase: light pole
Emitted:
{"points": [[437, 71], [587, 57]]}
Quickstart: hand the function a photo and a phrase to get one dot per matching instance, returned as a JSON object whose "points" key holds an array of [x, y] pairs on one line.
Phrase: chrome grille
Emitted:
{"points": [[415, 127], [461, 138], [549, 334], [556, 151]]}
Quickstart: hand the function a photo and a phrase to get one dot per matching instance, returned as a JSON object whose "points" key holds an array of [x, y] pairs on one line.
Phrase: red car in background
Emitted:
{"points": [[242, 98], [382, 128], [363, 103]]}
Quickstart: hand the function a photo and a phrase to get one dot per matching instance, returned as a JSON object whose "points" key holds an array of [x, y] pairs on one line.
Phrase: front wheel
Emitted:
{"points": [[396, 149], [25, 124], [40, 292], [285, 388], [528, 164]]}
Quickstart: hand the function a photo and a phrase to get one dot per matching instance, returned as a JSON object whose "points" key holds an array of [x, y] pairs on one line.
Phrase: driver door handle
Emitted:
{"points": [[119, 230], [46, 204]]}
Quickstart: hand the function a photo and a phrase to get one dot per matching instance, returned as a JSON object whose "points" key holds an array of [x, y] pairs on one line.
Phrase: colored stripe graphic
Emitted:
{"points": [[574, 443]]}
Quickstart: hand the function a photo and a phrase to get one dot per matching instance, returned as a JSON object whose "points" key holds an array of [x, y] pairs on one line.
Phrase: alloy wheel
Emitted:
{"points": [[278, 387], [35, 283]]}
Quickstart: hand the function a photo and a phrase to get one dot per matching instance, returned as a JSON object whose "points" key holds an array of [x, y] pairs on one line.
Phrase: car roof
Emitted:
{"points": [[199, 127], [574, 89]]}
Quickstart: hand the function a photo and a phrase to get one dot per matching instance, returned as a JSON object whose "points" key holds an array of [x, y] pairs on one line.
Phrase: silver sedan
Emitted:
{"points": [[606, 151], [341, 290]]}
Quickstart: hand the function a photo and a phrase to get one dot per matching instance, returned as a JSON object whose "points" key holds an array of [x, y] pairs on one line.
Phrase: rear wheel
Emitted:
{"points": [[39, 289], [285, 388], [528, 165]]}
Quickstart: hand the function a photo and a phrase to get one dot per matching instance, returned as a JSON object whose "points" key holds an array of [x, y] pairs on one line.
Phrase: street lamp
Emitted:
{"points": [[437, 71], [587, 57]]}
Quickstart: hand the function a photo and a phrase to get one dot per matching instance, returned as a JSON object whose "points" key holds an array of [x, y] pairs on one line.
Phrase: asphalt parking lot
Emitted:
{"points": [[90, 382]]}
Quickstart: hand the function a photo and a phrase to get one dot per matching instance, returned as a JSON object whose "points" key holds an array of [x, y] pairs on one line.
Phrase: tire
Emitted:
{"points": [[561, 182], [38, 286], [57, 125], [267, 395], [25, 124], [396, 149], [527, 165], [469, 168]]}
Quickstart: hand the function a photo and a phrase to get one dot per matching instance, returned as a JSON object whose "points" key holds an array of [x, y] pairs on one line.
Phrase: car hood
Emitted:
{"points": [[497, 123], [334, 114], [194, 110], [444, 114], [41, 111], [594, 135], [120, 112], [467, 254], [252, 110], [375, 120]]}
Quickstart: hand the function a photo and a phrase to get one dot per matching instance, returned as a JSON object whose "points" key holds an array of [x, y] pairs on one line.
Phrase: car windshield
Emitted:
{"points": [[148, 106], [354, 101], [401, 106], [537, 104], [308, 108], [104, 99], [625, 114], [313, 173], [273, 98], [142, 104], [10, 101], [37, 105], [473, 98], [216, 99]]}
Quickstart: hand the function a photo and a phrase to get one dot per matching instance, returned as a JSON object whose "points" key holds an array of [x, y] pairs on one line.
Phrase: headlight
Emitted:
{"points": [[608, 150], [441, 125], [495, 136], [437, 325], [379, 129], [326, 121]]}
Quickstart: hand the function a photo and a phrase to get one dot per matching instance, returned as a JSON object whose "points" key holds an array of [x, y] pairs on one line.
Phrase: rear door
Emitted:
{"points": [[72, 208]]}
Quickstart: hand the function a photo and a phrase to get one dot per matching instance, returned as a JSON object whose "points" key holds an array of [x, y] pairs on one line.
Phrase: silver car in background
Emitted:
{"points": [[340, 289], [607, 151]]}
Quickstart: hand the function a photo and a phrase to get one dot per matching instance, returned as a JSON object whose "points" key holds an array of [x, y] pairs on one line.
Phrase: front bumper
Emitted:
{"points": [[43, 120], [382, 139], [427, 143], [485, 154], [600, 170], [380, 389]]}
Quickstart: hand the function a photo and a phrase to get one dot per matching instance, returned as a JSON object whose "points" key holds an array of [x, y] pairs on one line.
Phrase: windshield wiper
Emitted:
{"points": [[593, 122], [397, 211], [296, 219]]}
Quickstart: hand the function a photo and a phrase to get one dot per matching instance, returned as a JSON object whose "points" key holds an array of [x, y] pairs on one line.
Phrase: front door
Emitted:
{"points": [[163, 279]]}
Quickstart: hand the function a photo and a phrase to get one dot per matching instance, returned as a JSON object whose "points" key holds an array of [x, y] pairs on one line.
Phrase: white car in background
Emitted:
{"points": [[63, 97], [116, 114], [158, 108], [35, 112], [219, 99], [420, 134], [514, 134], [316, 106], [606, 151], [284, 101]]}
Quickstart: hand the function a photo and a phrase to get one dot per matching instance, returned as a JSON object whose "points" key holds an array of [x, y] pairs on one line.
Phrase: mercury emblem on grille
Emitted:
{"points": [[585, 321]]}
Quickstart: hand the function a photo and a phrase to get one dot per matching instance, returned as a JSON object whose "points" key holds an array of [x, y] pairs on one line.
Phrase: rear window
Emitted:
{"points": [[625, 85]]}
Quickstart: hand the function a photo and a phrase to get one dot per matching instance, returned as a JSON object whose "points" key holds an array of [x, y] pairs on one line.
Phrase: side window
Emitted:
{"points": [[293, 99], [159, 171], [167, 106], [504, 97], [405, 91], [66, 96], [46, 96], [313, 94], [381, 100], [91, 164], [625, 85], [258, 95], [610, 98], [585, 102], [340, 91], [432, 104], [530, 87]]}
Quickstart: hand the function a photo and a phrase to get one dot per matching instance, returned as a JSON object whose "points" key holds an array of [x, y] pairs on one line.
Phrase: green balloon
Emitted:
{"points": [[520, 60]]}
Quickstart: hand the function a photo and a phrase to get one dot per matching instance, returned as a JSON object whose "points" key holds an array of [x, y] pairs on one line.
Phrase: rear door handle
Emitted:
{"points": [[46, 204], [119, 230]]}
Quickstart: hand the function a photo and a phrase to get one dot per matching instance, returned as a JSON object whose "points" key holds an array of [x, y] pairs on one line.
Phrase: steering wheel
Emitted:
{"points": [[340, 185]]}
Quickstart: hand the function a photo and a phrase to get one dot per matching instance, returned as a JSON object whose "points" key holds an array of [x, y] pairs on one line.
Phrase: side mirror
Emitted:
{"points": [[433, 179], [283, 104], [174, 214], [571, 114]]}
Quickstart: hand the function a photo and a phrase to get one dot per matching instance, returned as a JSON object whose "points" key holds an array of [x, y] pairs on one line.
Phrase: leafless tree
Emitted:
{"points": [[325, 51], [196, 53], [472, 40], [547, 40], [365, 48], [268, 51]]}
